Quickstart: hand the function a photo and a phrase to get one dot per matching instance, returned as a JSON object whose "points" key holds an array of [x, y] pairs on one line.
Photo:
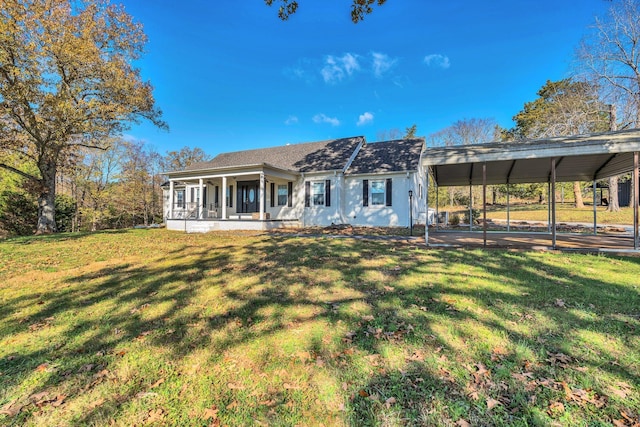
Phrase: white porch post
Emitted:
{"points": [[171, 190], [426, 201], [200, 200], [261, 198], [224, 197]]}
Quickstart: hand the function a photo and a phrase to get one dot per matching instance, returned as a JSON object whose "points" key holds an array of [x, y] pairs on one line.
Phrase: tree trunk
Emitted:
{"points": [[47, 199], [577, 192], [614, 205]]}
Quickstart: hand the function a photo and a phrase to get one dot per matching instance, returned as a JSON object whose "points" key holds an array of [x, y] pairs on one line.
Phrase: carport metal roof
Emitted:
{"points": [[578, 158]]}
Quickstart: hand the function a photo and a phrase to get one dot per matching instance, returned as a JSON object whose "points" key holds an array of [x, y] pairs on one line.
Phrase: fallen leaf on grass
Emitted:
{"points": [[96, 403], [155, 415], [492, 403], [235, 386], [462, 423], [288, 386], [555, 407], [560, 303], [232, 405], [210, 413], [363, 393], [157, 383], [390, 401]]}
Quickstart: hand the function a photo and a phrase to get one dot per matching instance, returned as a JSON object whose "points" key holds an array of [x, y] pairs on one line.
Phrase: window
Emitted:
{"points": [[180, 198], [230, 196], [283, 194], [317, 193], [377, 193]]}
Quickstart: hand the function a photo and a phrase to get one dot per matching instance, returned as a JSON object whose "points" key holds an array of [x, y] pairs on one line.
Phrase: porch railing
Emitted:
{"points": [[192, 211]]}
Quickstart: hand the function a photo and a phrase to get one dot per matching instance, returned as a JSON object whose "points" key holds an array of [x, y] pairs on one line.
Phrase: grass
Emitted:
{"points": [[151, 327], [564, 213]]}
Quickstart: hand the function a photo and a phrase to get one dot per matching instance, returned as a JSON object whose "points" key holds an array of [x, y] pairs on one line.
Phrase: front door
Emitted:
{"points": [[248, 196]]}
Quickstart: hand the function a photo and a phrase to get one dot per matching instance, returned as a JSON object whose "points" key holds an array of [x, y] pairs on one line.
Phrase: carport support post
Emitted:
{"points": [[636, 193], [484, 204], [595, 211], [470, 207], [549, 202], [508, 210], [437, 205], [426, 222], [552, 200]]}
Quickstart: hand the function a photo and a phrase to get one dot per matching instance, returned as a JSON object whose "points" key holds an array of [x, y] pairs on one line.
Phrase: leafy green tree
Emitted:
{"points": [[180, 159], [67, 81], [359, 8], [564, 107]]}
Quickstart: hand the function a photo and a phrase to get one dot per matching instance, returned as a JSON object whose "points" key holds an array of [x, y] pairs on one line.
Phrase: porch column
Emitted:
{"points": [[224, 197], [261, 199], [171, 190], [200, 210]]}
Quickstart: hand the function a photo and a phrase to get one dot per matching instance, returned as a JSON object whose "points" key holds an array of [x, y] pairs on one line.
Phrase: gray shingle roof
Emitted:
{"points": [[388, 156], [306, 157]]}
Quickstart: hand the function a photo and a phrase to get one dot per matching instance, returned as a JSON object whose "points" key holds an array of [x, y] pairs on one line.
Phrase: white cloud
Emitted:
{"points": [[291, 120], [437, 60], [381, 63], [337, 69], [365, 118], [322, 118]]}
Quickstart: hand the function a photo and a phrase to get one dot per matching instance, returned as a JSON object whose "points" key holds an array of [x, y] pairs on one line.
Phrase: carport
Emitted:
{"points": [[553, 160]]}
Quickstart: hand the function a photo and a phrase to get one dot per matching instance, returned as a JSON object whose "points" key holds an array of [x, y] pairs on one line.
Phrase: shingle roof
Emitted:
{"points": [[388, 156], [306, 157]]}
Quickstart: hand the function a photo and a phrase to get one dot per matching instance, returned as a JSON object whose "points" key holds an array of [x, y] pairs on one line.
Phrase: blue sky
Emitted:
{"points": [[229, 75]]}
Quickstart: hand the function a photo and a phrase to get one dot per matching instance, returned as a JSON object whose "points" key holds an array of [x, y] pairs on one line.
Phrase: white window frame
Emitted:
{"points": [[285, 187], [372, 184], [316, 200]]}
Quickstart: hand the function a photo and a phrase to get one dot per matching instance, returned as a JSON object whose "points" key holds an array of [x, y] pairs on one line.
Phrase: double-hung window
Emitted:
{"points": [[180, 198], [317, 193], [378, 192], [283, 194]]}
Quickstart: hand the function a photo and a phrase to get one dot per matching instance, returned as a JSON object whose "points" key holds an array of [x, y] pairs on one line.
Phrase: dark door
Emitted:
{"points": [[248, 196]]}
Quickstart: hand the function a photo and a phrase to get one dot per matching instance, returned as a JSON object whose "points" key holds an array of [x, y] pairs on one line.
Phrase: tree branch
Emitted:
{"points": [[19, 172]]}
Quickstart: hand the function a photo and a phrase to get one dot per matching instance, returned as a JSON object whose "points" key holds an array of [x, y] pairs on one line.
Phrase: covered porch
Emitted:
{"points": [[216, 199]]}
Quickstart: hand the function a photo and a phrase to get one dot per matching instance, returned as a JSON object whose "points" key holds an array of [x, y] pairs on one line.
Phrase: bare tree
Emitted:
{"points": [[465, 132], [609, 55]]}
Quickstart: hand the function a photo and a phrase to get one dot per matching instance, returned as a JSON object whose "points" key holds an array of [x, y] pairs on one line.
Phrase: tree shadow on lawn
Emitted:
{"points": [[415, 331]]}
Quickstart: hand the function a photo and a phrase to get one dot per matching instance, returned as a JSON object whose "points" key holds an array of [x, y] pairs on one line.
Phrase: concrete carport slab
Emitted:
{"points": [[561, 159]]}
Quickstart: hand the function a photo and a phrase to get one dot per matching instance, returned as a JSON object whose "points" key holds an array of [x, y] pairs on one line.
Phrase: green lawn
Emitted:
{"points": [[151, 327], [564, 213]]}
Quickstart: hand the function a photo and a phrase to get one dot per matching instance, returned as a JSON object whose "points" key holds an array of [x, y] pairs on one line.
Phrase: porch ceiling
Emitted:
{"points": [[578, 158]]}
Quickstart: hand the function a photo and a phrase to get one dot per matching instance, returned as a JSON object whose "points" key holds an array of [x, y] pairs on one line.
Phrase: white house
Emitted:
{"points": [[340, 181]]}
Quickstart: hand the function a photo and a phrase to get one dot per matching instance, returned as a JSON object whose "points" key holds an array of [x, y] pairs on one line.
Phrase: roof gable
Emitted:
{"points": [[400, 155], [305, 157]]}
